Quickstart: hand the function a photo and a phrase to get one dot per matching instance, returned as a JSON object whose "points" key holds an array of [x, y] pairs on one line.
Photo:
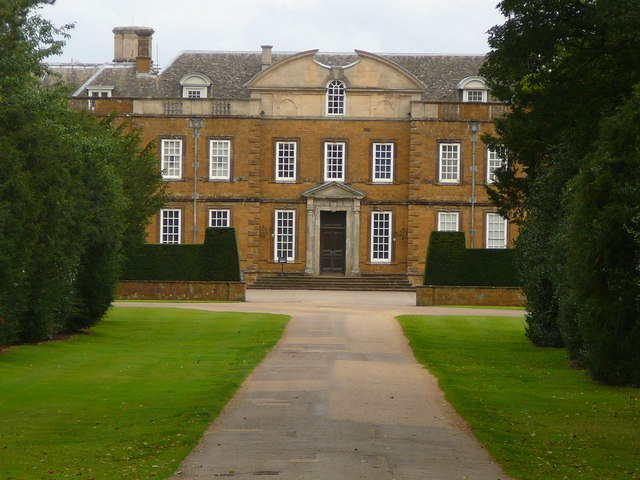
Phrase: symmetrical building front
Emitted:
{"points": [[336, 164]]}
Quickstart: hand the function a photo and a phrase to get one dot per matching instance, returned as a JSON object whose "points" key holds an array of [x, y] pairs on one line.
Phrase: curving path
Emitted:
{"points": [[340, 397]]}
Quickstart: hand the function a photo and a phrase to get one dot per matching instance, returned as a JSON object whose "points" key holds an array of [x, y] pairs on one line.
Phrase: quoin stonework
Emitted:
{"points": [[338, 164]]}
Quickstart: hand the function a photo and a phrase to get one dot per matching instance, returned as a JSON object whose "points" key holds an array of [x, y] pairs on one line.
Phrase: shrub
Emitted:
{"points": [[221, 254], [449, 262], [215, 260]]}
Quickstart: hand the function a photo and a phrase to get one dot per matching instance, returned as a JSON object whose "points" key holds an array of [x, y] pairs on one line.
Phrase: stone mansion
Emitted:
{"points": [[338, 164]]}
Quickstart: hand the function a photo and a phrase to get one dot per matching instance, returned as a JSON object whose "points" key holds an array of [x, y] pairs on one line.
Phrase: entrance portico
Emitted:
{"points": [[333, 241]]}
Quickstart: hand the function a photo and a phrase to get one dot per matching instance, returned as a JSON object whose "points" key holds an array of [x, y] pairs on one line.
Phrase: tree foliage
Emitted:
{"points": [[565, 67], [73, 191], [602, 274]]}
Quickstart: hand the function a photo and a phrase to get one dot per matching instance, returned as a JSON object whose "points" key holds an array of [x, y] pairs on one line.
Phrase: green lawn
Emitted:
{"points": [[128, 401], [537, 416]]}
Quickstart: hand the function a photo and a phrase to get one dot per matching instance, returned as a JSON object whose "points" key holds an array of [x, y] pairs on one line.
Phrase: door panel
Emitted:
{"points": [[332, 242]]}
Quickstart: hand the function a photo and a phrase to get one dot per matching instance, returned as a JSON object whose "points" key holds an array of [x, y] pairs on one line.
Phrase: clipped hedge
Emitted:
{"points": [[215, 260], [221, 255], [450, 263]]}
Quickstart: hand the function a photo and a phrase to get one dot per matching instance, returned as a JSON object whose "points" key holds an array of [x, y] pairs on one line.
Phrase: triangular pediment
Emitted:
{"points": [[334, 190]]}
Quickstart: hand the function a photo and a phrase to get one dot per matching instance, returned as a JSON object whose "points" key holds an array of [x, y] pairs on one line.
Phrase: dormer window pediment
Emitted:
{"points": [[195, 85], [473, 89]]}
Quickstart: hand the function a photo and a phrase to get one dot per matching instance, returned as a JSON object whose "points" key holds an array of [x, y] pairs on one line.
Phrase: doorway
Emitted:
{"points": [[333, 228]]}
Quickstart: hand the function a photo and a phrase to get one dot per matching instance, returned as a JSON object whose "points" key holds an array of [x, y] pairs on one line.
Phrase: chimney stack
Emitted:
{"points": [[266, 56], [133, 44]]}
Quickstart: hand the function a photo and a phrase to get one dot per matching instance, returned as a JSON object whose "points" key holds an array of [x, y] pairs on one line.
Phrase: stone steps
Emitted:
{"points": [[389, 283]]}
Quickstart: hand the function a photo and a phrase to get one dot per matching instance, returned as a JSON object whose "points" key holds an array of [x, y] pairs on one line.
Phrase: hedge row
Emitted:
{"points": [[215, 260], [450, 263]]}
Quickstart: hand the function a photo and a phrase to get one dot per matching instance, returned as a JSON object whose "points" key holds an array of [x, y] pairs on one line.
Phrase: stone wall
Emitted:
{"points": [[431, 295], [196, 291]]}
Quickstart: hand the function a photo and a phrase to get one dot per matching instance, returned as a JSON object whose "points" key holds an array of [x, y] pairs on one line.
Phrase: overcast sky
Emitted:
{"points": [[377, 26]]}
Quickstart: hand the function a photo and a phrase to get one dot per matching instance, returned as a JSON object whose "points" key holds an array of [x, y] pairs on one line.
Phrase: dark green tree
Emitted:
{"points": [[602, 274], [563, 65], [73, 191]]}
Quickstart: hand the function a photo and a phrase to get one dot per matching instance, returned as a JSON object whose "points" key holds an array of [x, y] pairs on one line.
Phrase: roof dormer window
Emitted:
{"points": [[99, 92], [473, 89], [195, 85]]}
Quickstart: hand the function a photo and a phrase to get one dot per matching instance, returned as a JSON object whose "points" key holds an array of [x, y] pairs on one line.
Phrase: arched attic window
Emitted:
{"points": [[473, 89], [335, 98], [195, 85]]}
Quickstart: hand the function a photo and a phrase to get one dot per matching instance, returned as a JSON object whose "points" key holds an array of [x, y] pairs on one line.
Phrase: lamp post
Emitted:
{"points": [[196, 124], [474, 128]]}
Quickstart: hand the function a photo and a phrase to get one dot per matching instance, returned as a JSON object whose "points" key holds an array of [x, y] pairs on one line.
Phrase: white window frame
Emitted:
{"points": [[449, 162], [219, 159], [98, 92], [494, 162], [171, 226], [286, 161], [496, 231], [383, 162], [171, 158], [284, 235], [219, 217], [475, 95], [448, 221], [334, 161], [194, 92], [381, 236], [336, 98]]}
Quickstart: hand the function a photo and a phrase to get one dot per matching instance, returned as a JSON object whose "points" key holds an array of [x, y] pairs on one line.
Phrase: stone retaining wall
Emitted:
{"points": [[428, 295], [152, 290]]}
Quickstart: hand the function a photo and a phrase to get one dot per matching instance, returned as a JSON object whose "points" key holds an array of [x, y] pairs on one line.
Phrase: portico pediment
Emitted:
{"points": [[334, 190]]}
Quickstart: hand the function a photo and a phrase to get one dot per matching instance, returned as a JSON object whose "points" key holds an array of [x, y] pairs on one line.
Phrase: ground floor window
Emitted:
{"points": [[285, 235], [448, 221], [496, 231], [381, 237], [219, 218], [170, 225]]}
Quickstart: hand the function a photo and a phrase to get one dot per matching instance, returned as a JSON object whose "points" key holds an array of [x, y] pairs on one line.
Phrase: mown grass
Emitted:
{"points": [[129, 400], [539, 418]]}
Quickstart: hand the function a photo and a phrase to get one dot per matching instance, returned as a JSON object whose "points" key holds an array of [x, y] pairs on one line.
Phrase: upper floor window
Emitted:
{"points": [[383, 162], [474, 95], [449, 163], [496, 231], [170, 225], [219, 159], [219, 217], [494, 162], [101, 92], [194, 92], [334, 161], [171, 158], [335, 98], [286, 153], [473, 89], [448, 221], [195, 85]]}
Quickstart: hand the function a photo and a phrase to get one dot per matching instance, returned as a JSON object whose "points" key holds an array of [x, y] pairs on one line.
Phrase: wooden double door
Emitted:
{"points": [[333, 241]]}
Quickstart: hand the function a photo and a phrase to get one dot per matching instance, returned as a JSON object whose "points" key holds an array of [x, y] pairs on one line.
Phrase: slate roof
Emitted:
{"points": [[230, 71]]}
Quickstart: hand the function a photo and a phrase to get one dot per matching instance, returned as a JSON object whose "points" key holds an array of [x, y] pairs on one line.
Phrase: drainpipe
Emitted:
{"points": [[474, 128], [196, 124]]}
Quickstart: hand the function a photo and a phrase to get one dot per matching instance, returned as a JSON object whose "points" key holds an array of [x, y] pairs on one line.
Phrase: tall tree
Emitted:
{"points": [[72, 191], [563, 66], [601, 282]]}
